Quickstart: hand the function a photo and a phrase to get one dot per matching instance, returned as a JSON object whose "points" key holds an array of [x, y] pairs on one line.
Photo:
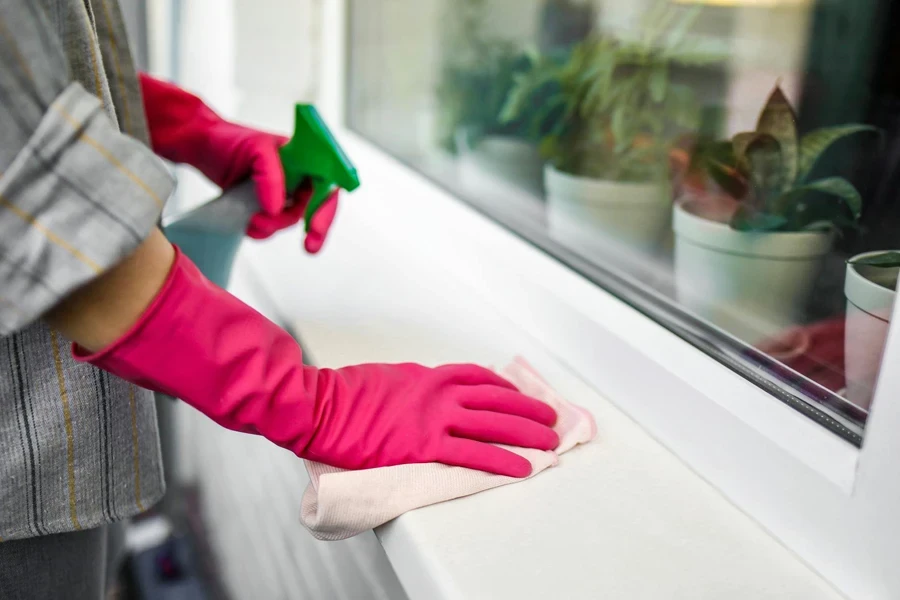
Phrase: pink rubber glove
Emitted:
{"points": [[185, 130], [199, 343]]}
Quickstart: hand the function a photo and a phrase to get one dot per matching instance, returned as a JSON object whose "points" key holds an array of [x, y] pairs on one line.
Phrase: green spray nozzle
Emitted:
{"points": [[313, 153]]}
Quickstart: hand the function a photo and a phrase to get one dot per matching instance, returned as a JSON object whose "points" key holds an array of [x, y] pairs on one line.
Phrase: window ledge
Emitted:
{"points": [[619, 518]]}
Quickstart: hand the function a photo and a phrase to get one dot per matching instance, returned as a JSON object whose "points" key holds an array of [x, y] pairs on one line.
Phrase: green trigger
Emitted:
{"points": [[314, 153]]}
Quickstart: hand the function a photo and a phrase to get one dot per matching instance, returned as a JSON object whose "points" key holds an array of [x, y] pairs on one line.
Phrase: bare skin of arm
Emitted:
{"points": [[101, 312]]}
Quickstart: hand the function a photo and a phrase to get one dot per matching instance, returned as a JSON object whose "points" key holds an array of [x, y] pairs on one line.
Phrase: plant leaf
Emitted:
{"points": [[655, 22], [618, 125], [524, 85], [834, 186], [697, 51], [778, 120], [720, 164], [747, 219], [659, 79], [599, 89], [741, 141], [885, 260], [763, 157], [814, 143]]}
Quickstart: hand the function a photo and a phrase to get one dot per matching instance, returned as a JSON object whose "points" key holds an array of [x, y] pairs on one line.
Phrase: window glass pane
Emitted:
{"points": [[729, 167]]}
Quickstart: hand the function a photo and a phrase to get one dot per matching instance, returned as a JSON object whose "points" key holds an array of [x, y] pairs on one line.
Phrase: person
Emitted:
{"points": [[83, 262]]}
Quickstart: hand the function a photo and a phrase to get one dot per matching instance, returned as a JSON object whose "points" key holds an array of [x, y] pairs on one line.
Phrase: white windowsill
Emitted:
{"points": [[621, 518]]}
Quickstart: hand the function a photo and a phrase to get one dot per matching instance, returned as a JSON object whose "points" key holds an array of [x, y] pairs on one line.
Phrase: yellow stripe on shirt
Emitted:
{"points": [[108, 155], [32, 220], [70, 436]]}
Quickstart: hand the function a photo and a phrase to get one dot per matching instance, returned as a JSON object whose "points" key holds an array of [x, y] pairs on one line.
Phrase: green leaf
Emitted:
{"points": [[747, 219], [697, 51], [550, 118], [618, 125], [814, 143], [655, 21], [778, 120], [884, 260], [741, 141], [764, 161], [834, 186], [599, 88], [658, 82], [516, 101]]}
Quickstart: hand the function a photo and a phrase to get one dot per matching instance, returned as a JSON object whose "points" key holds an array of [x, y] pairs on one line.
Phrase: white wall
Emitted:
{"points": [[769, 45]]}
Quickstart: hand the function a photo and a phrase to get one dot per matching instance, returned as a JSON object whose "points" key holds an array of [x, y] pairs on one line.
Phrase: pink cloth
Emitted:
{"points": [[339, 504]]}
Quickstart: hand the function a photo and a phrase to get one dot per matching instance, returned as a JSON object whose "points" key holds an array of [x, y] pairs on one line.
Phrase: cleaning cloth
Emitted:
{"points": [[339, 504]]}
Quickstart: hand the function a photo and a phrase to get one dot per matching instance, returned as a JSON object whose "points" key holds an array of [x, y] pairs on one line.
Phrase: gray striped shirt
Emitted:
{"points": [[79, 191]]}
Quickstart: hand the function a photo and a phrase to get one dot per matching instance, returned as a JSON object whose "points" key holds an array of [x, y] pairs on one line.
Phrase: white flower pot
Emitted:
{"points": [[596, 217], [870, 295], [493, 156], [751, 284]]}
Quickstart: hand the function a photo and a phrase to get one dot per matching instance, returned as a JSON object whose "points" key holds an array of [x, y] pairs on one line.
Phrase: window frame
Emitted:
{"points": [[827, 500]]}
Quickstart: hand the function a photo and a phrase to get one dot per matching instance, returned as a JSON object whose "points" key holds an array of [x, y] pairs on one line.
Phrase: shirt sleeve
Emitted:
{"points": [[76, 195]]}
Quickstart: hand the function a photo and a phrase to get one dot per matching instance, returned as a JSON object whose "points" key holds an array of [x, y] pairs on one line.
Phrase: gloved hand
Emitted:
{"points": [[185, 130], [199, 343]]}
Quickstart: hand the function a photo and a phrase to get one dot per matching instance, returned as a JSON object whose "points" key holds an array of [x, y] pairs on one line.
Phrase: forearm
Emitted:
{"points": [[99, 313]]}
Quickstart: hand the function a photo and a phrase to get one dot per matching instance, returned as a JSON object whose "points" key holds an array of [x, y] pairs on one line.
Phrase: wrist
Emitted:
{"points": [[198, 343], [101, 312]]}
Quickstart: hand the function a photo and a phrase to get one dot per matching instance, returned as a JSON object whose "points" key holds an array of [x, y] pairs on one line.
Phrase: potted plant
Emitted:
{"points": [[610, 113], [471, 99], [870, 287], [748, 248], [477, 75]]}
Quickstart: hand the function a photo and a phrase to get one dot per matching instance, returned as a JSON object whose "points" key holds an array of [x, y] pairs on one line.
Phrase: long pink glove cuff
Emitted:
{"points": [[199, 343]]}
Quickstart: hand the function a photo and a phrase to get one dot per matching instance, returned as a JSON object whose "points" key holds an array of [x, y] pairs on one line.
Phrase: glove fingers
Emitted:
{"points": [[321, 223], [484, 457], [268, 176], [263, 226], [465, 374], [497, 428], [502, 400]]}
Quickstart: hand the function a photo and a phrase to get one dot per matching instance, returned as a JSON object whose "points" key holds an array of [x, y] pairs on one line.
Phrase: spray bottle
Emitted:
{"points": [[211, 234]]}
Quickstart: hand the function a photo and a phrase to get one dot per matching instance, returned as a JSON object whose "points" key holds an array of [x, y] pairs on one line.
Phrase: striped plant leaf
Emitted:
{"points": [[778, 120], [814, 143], [741, 141], [834, 186], [884, 260]]}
